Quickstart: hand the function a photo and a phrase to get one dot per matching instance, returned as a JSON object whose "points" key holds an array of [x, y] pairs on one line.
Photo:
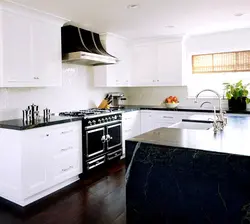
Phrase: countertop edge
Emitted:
{"points": [[39, 125]]}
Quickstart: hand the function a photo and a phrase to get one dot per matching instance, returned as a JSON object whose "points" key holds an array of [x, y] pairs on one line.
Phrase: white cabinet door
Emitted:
{"points": [[147, 122], [116, 75], [47, 66], [170, 63], [131, 126], [145, 65], [34, 161], [16, 49]]}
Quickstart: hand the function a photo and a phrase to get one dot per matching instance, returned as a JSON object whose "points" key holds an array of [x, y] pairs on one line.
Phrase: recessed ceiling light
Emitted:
{"points": [[170, 26], [239, 14], [133, 6]]}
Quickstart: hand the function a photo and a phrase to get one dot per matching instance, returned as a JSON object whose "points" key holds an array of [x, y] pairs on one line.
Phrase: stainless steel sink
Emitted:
{"points": [[192, 125]]}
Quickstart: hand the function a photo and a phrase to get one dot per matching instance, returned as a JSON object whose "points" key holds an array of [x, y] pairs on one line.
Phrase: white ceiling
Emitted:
{"points": [[150, 19]]}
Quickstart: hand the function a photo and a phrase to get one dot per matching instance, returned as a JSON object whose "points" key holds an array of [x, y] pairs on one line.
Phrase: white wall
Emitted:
{"points": [[77, 92], [236, 40]]}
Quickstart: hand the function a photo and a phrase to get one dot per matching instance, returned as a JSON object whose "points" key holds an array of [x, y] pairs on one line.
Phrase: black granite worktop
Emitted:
{"points": [[20, 125], [232, 140], [179, 108], [189, 176]]}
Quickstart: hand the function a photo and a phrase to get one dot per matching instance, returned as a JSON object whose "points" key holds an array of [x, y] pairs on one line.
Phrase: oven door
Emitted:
{"points": [[114, 136], [95, 142]]}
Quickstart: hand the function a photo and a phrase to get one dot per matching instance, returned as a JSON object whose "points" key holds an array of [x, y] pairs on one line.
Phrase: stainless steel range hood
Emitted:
{"points": [[84, 47]]}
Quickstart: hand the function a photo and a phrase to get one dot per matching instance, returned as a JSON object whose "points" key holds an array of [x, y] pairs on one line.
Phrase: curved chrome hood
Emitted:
{"points": [[84, 47]]}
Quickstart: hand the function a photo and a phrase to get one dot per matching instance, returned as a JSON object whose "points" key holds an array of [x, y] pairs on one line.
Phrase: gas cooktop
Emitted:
{"points": [[90, 112]]}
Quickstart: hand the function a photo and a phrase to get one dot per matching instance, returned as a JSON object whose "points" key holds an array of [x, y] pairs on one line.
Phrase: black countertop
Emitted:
{"points": [[179, 108], [20, 125], [233, 140]]}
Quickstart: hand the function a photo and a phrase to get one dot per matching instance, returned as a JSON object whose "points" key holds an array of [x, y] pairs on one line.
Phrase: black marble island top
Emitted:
{"points": [[233, 140], [189, 176], [20, 125]]}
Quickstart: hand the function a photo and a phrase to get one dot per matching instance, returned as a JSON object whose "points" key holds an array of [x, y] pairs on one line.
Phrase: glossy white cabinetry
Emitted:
{"points": [[30, 48], [131, 126], [152, 119], [144, 65], [117, 74], [157, 63], [46, 53], [39, 161], [169, 63], [147, 122]]}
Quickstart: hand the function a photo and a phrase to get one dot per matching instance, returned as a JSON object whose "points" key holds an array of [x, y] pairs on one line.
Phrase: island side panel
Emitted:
{"points": [[173, 185]]}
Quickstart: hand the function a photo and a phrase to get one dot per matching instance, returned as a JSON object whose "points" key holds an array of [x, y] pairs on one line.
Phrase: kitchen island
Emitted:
{"points": [[189, 176]]}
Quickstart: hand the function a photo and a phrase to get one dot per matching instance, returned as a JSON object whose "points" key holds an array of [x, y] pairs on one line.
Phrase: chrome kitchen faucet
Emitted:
{"points": [[220, 121]]}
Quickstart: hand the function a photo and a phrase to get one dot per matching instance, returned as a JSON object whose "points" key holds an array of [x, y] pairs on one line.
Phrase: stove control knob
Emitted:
{"points": [[120, 116], [99, 121], [115, 117], [103, 120], [90, 123], [94, 122], [110, 118], [106, 119]]}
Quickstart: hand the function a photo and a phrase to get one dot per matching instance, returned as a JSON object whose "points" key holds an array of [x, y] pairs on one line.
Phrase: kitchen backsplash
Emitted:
{"points": [[155, 95], [77, 92]]}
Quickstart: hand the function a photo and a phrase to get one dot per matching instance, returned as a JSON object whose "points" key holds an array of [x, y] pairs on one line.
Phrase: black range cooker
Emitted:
{"points": [[102, 136]]}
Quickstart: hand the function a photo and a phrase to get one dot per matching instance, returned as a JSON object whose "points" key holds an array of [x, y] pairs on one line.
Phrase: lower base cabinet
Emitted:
{"points": [[131, 126], [37, 162], [151, 119]]}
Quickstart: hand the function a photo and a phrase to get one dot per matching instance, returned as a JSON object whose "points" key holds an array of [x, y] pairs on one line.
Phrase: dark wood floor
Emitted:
{"points": [[98, 200]]}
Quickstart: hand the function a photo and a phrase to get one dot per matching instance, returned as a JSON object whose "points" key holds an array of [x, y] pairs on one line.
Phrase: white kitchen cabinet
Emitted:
{"points": [[35, 144], [131, 126], [116, 74], [144, 65], [30, 48], [46, 160], [169, 63], [152, 119], [46, 53], [157, 63], [146, 121], [16, 44]]}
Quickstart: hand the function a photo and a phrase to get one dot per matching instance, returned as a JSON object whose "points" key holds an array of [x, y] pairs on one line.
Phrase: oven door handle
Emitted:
{"points": [[103, 139], [108, 138]]}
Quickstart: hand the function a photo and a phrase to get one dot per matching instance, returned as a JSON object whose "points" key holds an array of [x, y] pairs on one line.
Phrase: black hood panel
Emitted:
{"points": [[91, 43]]}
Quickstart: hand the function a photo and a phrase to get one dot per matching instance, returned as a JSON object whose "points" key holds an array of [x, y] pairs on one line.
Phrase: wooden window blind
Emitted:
{"points": [[238, 61]]}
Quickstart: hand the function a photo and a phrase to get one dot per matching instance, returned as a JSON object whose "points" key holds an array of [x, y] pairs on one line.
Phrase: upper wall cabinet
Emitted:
{"points": [[30, 52], [157, 63], [116, 74]]}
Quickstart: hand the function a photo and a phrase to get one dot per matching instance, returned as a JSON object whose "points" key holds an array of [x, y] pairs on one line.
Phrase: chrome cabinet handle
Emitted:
{"points": [[103, 139], [168, 117], [66, 132], [66, 149], [70, 167], [116, 155], [108, 138]]}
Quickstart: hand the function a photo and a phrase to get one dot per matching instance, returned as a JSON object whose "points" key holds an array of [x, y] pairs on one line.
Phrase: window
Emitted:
{"points": [[221, 62]]}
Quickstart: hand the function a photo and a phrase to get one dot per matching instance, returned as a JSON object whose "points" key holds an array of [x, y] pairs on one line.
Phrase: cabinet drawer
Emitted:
{"points": [[66, 148], [114, 155], [66, 166], [96, 162], [66, 138], [130, 118]]}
